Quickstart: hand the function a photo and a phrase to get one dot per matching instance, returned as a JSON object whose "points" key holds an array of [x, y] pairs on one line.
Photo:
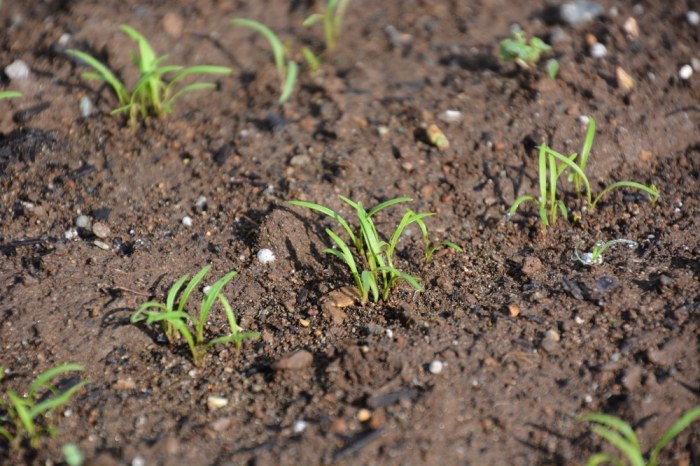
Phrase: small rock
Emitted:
{"points": [[221, 424], [531, 265], [513, 310], [685, 72], [445, 284], [124, 384], [437, 137], [549, 346], [343, 297], [85, 106], [17, 71], [338, 426], [598, 50], [216, 402], [265, 256], [631, 27], [692, 17], [101, 245], [187, 221], [101, 230], [83, 221], [201, 204], [173, 24], [450, 116], [299, 160], [632, 379], [695, 63], [299, 426], [70, 233], [435, 367], [605, 283], [296, 361], [624, 80], [553, 335], [364, 415], [577, 12]]}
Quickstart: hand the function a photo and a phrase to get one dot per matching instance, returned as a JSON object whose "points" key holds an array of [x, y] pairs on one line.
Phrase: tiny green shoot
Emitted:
{"points": [[72, 455], [332, 19], [152, 94], [9, 94], [376, 272], [552, 164], [620, 435], [21, 413], [525, 54], [174, 320], [596, 255], [287, 70]]}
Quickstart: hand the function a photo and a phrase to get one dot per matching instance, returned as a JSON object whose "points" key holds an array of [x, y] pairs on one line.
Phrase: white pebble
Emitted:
{"points": [[695, 63], [138, 461], [299, 426], [17, 71], [70, 234], [85, 106], [216, 402], [583, 119], [598, 50], [436, 367], [265, 256], [389, 333], [450, 116], [692, 17], [685, 72], [579, 320], [187, 221]]}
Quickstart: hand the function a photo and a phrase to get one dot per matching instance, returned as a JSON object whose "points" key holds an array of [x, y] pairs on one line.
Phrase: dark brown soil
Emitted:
{"points": [[508, 393]]}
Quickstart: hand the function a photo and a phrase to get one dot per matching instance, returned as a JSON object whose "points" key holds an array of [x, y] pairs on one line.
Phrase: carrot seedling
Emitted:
{"points": [[527, 53], [596, 255], [287, 70], [152, 94], [176, 321], [620, 435], [332, 19], [553, 164], [25, 416], [376, 271]]}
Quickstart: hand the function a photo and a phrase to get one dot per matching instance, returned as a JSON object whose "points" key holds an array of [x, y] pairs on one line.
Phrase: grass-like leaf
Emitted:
{"points": [[287, 70], [332, 19], [178, 322], [152, 94], [378, 274], [22, 413], [9, 94]]}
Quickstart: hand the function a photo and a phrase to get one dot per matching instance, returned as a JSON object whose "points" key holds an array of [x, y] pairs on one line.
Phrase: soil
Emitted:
{"points": [[528, 338]]}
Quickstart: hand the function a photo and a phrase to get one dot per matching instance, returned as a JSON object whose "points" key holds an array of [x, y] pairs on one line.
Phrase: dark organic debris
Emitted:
{"points": [[358, 443], [386, 399], [22, 116], [24, 144]]}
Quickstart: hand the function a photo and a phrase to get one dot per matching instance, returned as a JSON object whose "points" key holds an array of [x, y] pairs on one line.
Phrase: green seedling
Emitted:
{"points": [[287, 70], [176, 321], [332, 19], [553, 164], [72, 455], [25, 415], [596, 255], [152, 94], [376, 270], [9, 94], [525, 54], [621, 436]]}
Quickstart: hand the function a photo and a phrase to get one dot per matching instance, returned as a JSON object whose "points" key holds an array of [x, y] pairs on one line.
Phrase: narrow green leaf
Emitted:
{"points": [[680, 425], [9, 94], [652, 191], [271, 37], [330, 213], [103, 73], [631, 451], [42, 379], [388, 203], [172, 294], [289, 81]]}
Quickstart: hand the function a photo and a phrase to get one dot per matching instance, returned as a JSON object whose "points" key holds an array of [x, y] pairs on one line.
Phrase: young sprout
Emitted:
{"points": [[9, 94], [621, 436], [286, 69], [174, 321], [152, 94], [525, 54], [596, 255], [332, 19], [377, 271], [21, 413], [553, 164]]}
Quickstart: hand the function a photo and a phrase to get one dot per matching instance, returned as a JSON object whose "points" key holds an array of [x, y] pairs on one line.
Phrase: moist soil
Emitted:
{"points": [[527, 337]]}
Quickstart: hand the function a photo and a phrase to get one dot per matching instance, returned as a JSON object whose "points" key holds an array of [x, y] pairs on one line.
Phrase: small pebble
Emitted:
{"points": [[598, 50], [450, 116], [17, 71], [101, 245], [101, 230], [70, 234], [364, 414], [579, 11], [85, 106], [216, 402], [695, 63], [299, 426], [201, 204], [187, 221], [631, 27], [138, 461], [583, 119], [436, 367], [685, 72], [83, 221], [553, 335], [265, 256], [692, 17]]}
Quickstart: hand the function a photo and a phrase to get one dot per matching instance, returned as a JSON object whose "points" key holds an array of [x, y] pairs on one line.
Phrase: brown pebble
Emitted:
{"points": [[124, 384], [645, 156], [378, 420], [101, 230], [426, 191], [221, 425], [531, 265], [339, 426], [173, 24], [364, 414], [624, 80], [296, 361], [343, 297], [513, 310]]}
